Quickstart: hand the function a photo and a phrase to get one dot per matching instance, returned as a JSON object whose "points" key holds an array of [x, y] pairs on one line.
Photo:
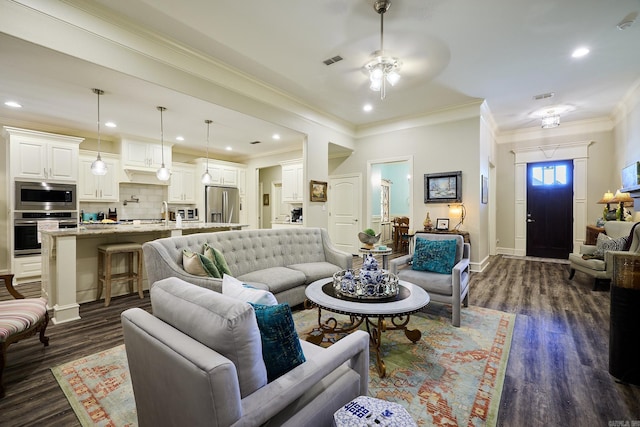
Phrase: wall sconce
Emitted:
{"points": [[458, 210]]}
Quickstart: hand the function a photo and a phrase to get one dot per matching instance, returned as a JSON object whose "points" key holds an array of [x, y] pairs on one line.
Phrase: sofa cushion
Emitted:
{"points": [[234, 288], [281, 348], [277, 279], [217, 257], [223, 324], [437, 256], [198, 264], [431, 282], [596, 264], [316, 270]]}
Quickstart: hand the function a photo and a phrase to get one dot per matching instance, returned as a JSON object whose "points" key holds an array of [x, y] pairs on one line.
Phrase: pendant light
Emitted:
{"points": [[163, 173], [98, 167], [206, 176]]}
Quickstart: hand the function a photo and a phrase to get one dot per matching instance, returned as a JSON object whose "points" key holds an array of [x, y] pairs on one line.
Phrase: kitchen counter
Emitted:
{"points": [[70, 259], [285, 224]]}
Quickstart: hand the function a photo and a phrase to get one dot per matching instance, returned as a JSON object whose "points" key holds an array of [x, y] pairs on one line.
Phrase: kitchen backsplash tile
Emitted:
{"points": [[149, 205]]}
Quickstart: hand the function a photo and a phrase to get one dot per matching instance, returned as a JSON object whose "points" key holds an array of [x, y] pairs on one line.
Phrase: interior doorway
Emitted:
{"points": [[550, 209]]}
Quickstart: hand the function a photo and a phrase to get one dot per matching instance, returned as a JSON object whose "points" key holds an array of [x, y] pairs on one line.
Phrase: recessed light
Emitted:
{"points": [[367, 107], [12, 104], [580, 52], [110, 125], [179, 138], [276, 136], [229, 148]]}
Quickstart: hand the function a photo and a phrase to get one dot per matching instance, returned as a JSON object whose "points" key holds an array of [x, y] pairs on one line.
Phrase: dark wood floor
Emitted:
{"points": [[557, 373]]}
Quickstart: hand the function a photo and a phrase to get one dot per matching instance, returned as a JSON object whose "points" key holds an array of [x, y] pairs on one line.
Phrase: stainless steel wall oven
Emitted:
{"points": [[27, 225]]}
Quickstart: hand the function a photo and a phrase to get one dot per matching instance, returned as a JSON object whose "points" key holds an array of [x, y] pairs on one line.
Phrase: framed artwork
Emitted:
{"points": [[442, 224], [444, 187], [318, 191], [265, 199], [485, 189]]}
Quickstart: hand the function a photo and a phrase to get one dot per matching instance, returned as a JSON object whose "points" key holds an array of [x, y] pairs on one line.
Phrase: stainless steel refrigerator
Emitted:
{"points": [[222, 204]]}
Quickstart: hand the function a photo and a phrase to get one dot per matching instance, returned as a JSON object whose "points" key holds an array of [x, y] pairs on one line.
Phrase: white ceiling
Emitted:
{"points": [[453, 52]]}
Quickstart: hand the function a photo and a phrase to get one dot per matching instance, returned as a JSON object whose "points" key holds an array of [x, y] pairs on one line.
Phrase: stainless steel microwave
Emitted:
{"points": [[44, 196]]}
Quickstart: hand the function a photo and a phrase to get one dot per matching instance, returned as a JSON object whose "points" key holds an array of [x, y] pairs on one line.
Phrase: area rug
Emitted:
{"points": [[451, 377]]}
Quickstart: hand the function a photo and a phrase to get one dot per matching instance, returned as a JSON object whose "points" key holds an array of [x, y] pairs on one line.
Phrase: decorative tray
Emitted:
{"points": [[366, 284]]}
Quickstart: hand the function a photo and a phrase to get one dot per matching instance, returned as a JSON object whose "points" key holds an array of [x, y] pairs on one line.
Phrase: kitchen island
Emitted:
{"points": [[70, 259]]}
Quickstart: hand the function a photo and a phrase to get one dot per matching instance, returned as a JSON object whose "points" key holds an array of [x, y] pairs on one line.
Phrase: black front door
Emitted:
{"points": [[550, 209]]}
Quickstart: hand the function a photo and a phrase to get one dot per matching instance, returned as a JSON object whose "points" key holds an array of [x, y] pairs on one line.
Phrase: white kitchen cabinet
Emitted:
{"points": [[242, 181], [223, 174], [43, 156], [182, 187], [144, 156], [92, 188], [292, 182]]}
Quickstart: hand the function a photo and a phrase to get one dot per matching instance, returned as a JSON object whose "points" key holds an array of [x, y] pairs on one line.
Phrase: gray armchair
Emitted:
{"points": [[197, 361], [602, 269], [445, 288]]}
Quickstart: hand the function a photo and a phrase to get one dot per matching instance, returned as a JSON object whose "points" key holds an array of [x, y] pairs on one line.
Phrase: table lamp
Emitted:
{"points": [[606, 200], [621, 198]]}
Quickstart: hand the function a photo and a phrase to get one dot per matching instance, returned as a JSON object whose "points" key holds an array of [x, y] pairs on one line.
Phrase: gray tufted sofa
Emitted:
{"points": [[282, 261]]}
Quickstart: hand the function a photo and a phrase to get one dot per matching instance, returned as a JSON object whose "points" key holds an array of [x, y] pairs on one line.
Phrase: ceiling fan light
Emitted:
{"points": [[376, 84], [393, 77], [98, 167]]}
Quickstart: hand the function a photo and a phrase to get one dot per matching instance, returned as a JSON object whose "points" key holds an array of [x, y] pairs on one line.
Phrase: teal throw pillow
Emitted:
{"points": [[438, 256], [281, 348], [218, 259]]}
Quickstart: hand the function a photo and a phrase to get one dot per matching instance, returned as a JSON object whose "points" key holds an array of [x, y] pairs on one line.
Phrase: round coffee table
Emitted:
{"points": [[372, 312]]}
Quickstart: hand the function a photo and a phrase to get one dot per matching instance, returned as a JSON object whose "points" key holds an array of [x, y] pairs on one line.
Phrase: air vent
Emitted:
{"points": [[333, 60], [255, 142], [544, 96]]}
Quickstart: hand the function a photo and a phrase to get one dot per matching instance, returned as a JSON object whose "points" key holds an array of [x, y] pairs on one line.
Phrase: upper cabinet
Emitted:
{"points": [[223, 174], [182, 188], [92, 188], [42, 156], [292, 181], [144, 156]]}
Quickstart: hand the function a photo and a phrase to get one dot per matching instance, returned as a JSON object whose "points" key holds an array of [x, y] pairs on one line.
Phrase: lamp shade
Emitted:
{"points": [[606, 198], [622, 198]]}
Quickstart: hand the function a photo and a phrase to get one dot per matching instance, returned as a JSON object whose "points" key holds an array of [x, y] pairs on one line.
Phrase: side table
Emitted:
{"points": [[592, 234], [384, 252]]}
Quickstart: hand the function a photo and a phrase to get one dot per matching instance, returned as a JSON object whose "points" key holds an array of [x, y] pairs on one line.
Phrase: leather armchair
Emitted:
{"points": [[602, 269], [179, 378], [445, 288]]}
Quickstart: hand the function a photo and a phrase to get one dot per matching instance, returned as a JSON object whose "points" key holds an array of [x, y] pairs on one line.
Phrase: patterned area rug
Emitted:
{"points": [[452, 376]]}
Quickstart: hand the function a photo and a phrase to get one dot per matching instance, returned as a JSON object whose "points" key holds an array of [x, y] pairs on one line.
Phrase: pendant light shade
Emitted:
{"points": [[98, 167], [206, 176], [163, 174]]}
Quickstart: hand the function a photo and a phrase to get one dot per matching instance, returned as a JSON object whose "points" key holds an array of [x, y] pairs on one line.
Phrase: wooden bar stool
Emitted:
{"points": [[105, 277]]}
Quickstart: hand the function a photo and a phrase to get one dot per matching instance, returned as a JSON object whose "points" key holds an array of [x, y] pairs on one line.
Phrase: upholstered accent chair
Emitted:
{"points": [[198, 361], [601, 268], [451, 287], [20, 318]]}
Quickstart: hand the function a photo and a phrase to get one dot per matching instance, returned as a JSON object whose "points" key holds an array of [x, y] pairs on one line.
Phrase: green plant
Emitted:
{"points": [[370, 232]]}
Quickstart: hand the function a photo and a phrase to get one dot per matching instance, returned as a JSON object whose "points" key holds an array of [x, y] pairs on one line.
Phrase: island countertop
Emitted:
{"points": [[97, 229]]}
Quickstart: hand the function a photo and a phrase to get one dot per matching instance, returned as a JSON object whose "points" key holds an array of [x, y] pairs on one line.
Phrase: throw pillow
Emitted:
{"points": [[218, 259], [434, 255], [605, 244], [198, 264], [234, 288], [281, 348]]}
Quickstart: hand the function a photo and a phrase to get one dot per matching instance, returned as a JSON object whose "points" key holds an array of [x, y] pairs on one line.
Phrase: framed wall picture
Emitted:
{"points": [[318, 191], [442, 224], [444, 187], [485, 189]]}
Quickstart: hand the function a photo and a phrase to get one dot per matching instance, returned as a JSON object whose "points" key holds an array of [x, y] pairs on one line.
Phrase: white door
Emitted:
{"points": [[345, 211]]}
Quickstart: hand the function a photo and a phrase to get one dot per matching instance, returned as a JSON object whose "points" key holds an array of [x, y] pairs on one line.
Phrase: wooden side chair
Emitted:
{"points": [[400, 228], [20, 318]]}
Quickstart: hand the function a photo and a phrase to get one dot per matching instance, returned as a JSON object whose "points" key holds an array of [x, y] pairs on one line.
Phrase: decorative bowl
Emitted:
{"points": [[367, 240], [356, 285]]}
